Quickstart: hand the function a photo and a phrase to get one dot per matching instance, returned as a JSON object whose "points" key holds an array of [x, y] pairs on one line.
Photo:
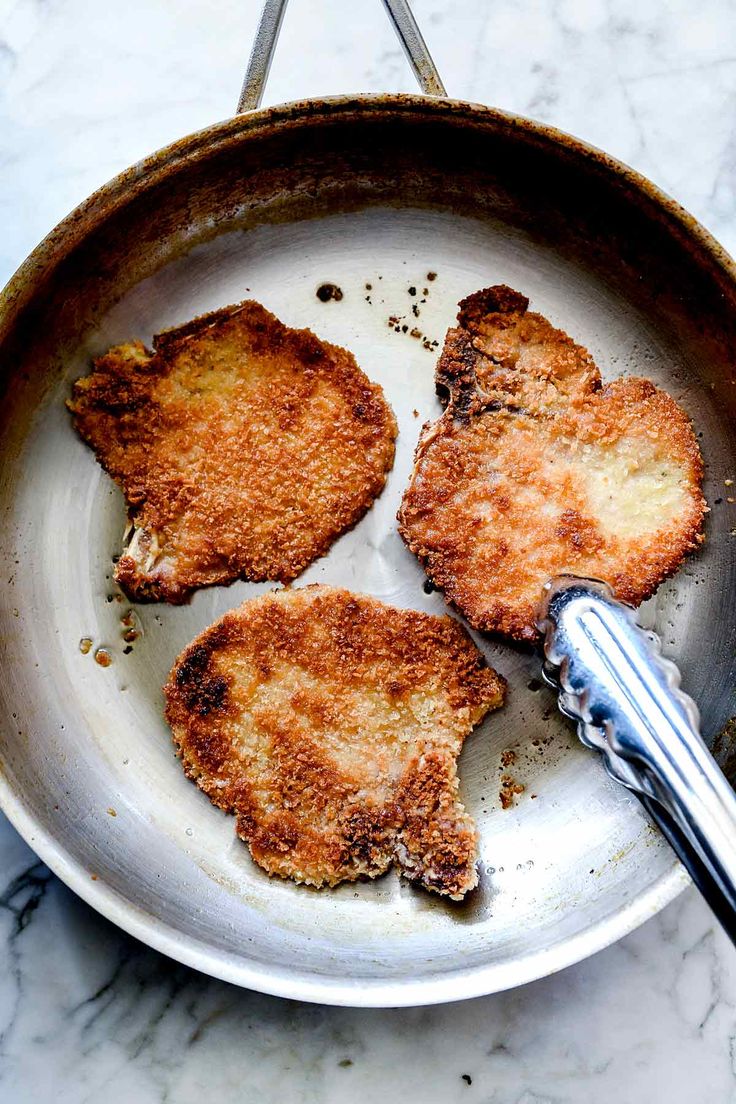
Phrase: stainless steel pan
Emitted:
{"points": [[377, 190]]}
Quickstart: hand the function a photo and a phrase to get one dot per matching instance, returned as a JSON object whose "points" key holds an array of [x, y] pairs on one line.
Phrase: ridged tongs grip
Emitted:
{"points": [[626, 698]]}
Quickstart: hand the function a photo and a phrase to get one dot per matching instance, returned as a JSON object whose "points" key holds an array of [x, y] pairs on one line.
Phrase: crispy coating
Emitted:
{"points": [[537, 468], [329, 724], [502, 352], [243, 447]]}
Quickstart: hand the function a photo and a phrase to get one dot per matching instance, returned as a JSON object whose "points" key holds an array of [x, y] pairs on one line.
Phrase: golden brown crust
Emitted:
{"points": [[243, 447], [502, 352], [536, 469], [330, 724]]}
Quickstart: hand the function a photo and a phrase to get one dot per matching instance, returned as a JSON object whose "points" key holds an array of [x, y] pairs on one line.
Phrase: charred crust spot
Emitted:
{"points": [[201, 693], [206, 696], [498, 299], [193, 665]]}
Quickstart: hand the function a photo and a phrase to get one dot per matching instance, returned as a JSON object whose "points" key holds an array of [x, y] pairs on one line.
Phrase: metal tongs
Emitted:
{"points": [[625, 696]]}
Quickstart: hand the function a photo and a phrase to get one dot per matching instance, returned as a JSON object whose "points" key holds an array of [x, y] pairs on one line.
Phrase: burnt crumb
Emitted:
{"points": [[415, 413], [429, 586], [534, 684], [127, 649], [508, 791], [369, 287], [425, 291], [431, 276], [717, 501], [510, 788], [345, 1062], [412, 290], [467, 1078], [326, 292], [394, 321]]}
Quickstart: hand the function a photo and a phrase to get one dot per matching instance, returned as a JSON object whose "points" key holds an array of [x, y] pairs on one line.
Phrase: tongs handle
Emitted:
{"points": [[626, 697]]}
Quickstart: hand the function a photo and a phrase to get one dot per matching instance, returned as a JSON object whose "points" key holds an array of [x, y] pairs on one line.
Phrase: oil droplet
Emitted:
{"points": [[103, 657], [85, 645]]}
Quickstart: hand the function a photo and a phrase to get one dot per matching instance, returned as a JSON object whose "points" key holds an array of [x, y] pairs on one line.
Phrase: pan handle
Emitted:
{"points": [[626, 698], [264, 45]]}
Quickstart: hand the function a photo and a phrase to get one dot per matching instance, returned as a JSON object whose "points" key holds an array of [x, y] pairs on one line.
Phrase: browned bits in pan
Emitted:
{"points": [[329, 293]]}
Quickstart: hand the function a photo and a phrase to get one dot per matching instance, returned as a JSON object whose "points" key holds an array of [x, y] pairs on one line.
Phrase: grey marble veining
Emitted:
{"points": [[86, 1013]]}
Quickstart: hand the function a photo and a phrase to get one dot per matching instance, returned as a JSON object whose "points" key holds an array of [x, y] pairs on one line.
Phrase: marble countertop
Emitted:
{"points": [[88, 1014]]}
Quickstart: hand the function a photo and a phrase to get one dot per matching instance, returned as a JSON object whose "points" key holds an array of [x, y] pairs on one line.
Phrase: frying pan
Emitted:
{"points": [[355, 190]]}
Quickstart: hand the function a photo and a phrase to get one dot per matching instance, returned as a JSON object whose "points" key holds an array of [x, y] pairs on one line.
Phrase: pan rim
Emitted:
{"points": [[454, 985], [132, 917], [142, 174]]}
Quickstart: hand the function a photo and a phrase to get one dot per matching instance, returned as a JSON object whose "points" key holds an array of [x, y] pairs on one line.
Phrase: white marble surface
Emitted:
{"points": [[86, 1013]]}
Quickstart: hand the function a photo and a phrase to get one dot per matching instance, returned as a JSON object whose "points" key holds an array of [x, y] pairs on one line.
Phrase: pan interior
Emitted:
{"points": [[86, 751]]}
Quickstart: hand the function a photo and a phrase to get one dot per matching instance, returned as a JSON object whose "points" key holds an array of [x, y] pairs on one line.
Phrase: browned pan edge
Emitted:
{"points": [[158, 166]]}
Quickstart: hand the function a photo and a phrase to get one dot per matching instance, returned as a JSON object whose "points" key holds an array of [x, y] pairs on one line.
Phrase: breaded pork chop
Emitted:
{"points": [[537, 468], [243, 447], [329, 724]]}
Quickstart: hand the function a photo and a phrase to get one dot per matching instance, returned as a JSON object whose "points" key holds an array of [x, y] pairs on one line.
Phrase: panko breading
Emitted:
{"points": [[243, 447], [329, 724], [502, 352], [537, 468]]}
